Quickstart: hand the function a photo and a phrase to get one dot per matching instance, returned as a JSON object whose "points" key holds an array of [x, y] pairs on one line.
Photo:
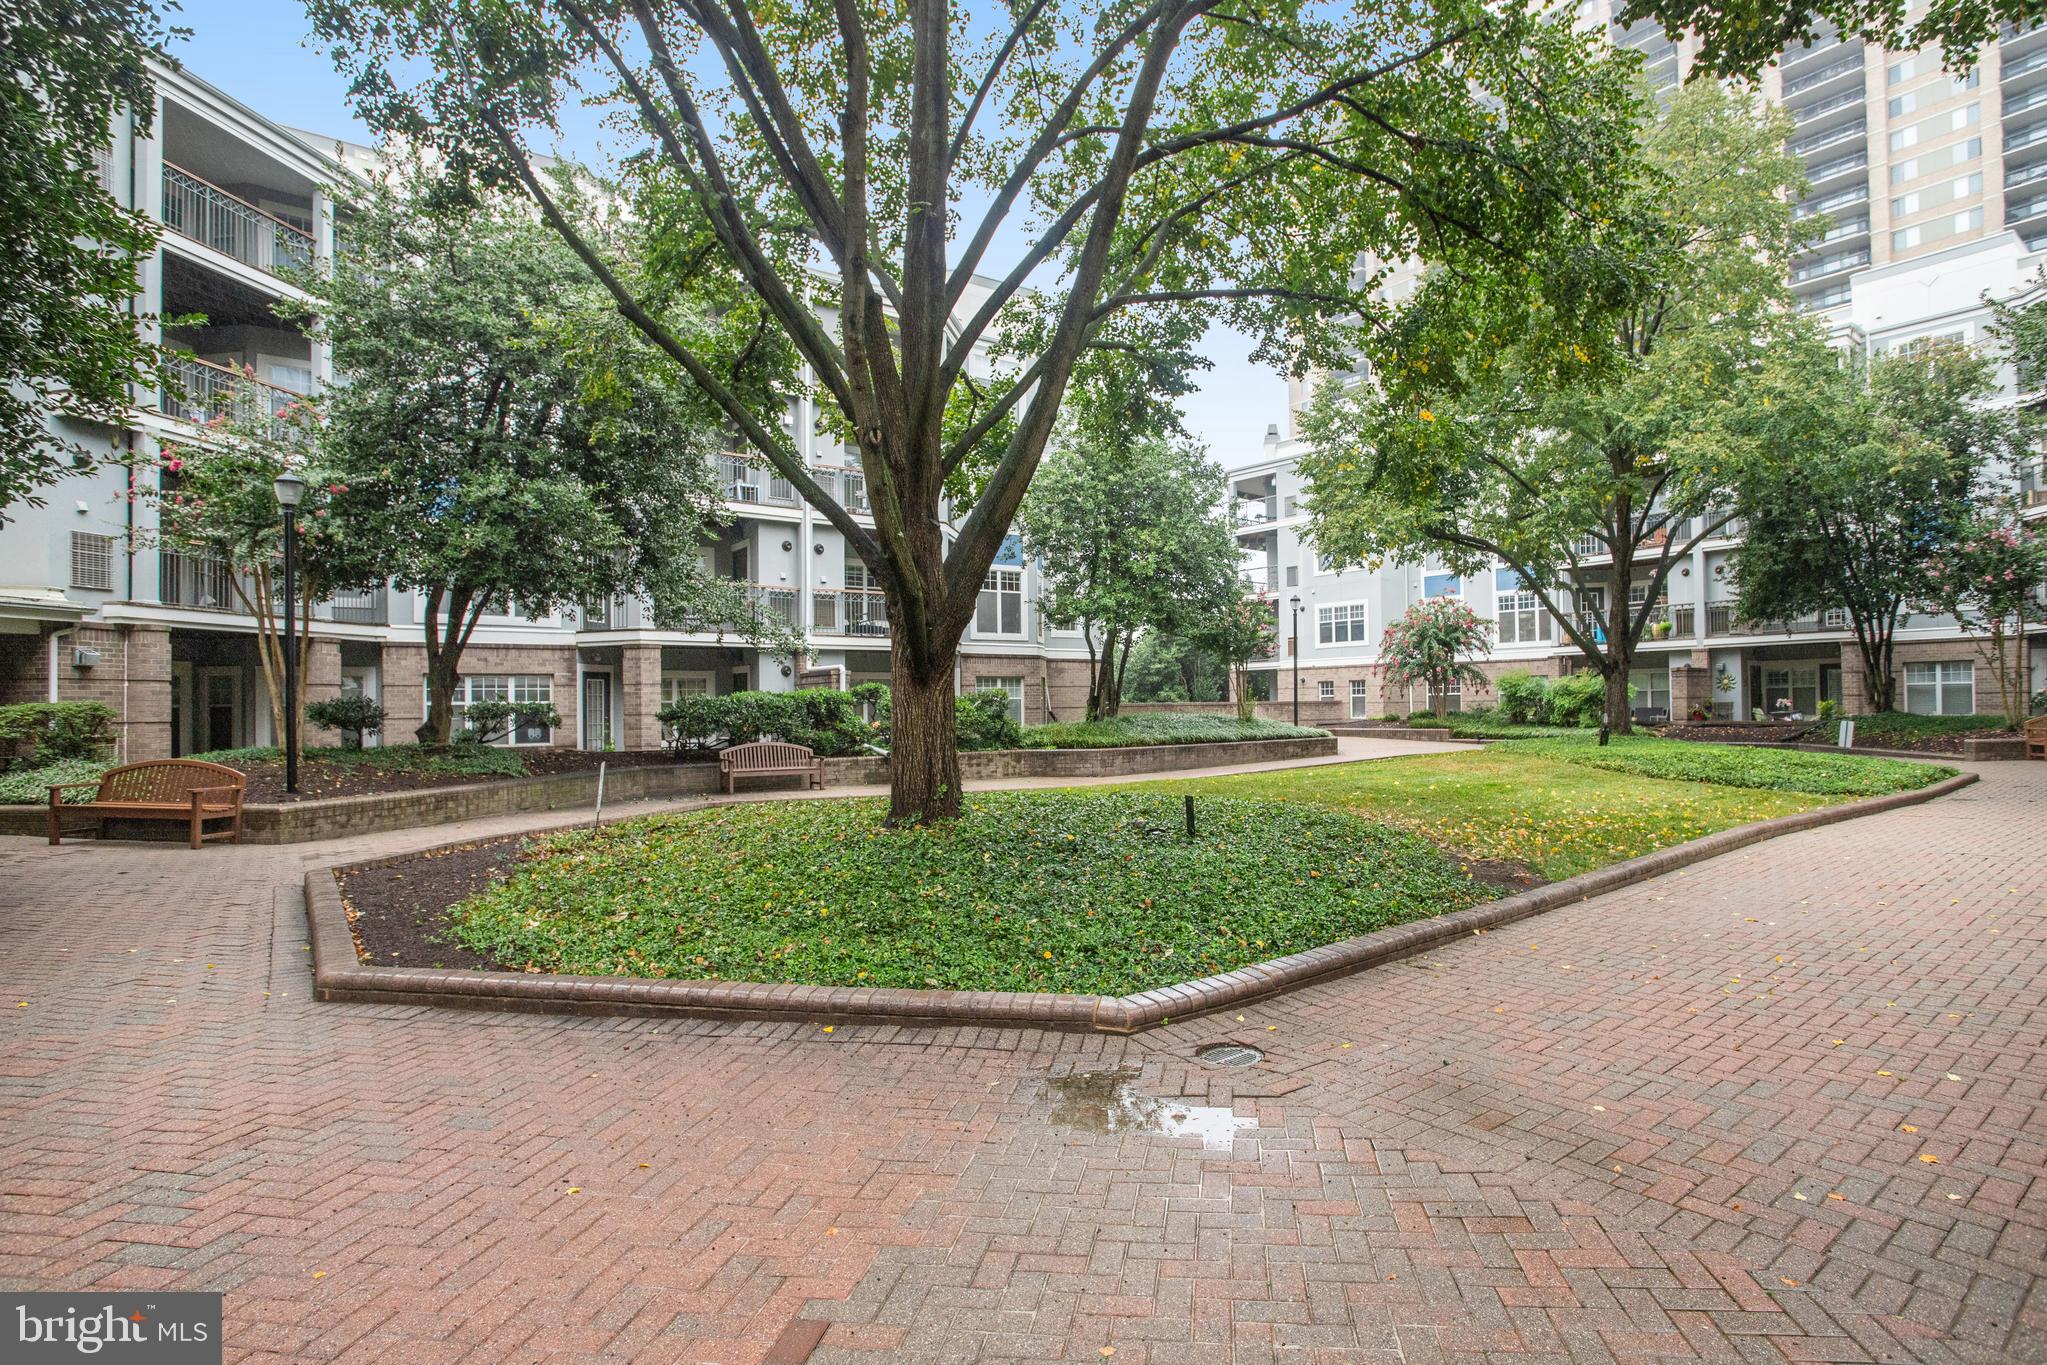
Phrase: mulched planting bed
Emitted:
{"points": [[1023, 917], [320, 781]]}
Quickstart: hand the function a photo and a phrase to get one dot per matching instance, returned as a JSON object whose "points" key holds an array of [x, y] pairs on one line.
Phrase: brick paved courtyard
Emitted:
{"points": [[1785, 1106]]}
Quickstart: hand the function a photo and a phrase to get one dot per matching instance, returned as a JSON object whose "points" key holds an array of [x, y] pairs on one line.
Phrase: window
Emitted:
{"points": [[1451, 698], [1652, 691], [1442, 585], [1324, 563], [676, 686], [1520, 619], [1326, 690], [537, 688], [1903, 71], [92, 561], [1013, 686], [1000, 610], [1360, 698], [1340, 625], [1791, 690], [1941, 689]]}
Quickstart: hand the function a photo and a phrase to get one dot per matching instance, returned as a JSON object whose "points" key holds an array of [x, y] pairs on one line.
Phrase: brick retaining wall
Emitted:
{"points": [[306, 821]]}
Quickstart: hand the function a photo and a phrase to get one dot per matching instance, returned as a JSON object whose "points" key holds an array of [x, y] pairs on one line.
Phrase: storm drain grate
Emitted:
{"points": [[1229, 1054]]}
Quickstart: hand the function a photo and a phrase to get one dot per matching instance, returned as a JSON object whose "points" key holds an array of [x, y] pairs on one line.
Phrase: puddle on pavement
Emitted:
{"points": [[1107, 1102]]}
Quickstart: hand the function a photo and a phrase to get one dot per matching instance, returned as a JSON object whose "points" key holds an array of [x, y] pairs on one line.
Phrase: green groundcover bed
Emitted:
{"points": [[1733, 765], [1161, 728], [1028, 891]]}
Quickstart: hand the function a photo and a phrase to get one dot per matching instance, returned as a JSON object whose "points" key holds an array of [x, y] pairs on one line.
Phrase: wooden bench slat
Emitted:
{"points": [[768, 758]]}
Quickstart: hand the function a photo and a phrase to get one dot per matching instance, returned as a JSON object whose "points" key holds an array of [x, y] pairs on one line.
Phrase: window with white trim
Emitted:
{"points": [[1947, 688], [1442, 585], [1326, 690], [1013, 686], [1519, 619], [676, 686], [1360, 698], [92, 561], [1452, 696], [1652, 689], [534, 688], [1343, 624], [1000, 608]]}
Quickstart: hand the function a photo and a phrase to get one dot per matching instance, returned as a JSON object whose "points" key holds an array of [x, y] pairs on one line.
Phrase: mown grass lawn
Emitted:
{"points": [[1545, 804], [1085, 891]]}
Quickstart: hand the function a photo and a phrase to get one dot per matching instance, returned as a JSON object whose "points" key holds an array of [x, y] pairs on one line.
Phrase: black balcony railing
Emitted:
{"points": [[208, 214]]}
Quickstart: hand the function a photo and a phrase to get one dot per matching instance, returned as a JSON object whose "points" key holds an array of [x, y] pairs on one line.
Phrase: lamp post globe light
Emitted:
{"points": [[290, 489], [1296, 652]]}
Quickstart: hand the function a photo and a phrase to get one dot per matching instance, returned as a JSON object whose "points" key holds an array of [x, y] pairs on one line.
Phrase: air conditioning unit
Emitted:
{"points": [[81, 657]]}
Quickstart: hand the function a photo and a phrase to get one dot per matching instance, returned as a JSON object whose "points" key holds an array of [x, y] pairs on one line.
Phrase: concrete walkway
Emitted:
{"points": [[1789, 1105]]}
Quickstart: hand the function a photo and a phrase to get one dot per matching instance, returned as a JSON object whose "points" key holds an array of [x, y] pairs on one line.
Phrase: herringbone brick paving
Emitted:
{"points": [[1690, 1120]]}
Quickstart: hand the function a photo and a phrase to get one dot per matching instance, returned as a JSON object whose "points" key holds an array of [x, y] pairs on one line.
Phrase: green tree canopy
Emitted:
{"points": [[841, 174], [1741, 39], [1486, 438], [1860, 477], [501, 437], [68, 253]]}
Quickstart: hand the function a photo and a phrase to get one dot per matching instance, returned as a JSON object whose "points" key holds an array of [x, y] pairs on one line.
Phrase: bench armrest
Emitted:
{"points": [[58, 788]]}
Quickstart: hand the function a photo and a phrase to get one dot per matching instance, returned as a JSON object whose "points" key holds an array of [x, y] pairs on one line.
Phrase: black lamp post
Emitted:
{"points": [[1296, 603], [290, 488]]}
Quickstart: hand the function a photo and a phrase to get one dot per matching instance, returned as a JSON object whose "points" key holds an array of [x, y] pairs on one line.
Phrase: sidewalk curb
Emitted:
{"points": [[338, 976]]}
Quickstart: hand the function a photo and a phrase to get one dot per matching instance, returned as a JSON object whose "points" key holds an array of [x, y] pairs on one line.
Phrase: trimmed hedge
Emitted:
{"points": [[37, 733], [1123, 732]]}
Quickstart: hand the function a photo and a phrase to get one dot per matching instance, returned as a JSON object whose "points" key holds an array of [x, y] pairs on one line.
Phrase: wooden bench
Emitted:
{"points": [[182, 789], [2036, 737], [769, 758]]}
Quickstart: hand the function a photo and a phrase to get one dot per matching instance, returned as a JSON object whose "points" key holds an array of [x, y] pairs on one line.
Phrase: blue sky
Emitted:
{"points": [[257, 51]]}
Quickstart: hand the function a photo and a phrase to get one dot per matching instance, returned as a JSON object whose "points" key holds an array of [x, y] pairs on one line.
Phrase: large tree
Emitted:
{"points": [[1132, 532], [1484, 440], [69, 344], [501, 437], [843, 174], [1862, 475]]}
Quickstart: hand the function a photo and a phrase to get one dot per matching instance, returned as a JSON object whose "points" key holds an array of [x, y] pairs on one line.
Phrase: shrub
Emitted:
{"points": [[45, 732], [1524, 698], [354, 714], [486, 722], [1167, 728], [469, 759], [691, 721], [984, 722], [31, 786], [2038, 705], [1578, 699]]}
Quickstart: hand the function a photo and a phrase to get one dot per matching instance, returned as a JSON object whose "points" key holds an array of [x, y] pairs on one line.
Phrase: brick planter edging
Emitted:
{"points": [[338, 975]]}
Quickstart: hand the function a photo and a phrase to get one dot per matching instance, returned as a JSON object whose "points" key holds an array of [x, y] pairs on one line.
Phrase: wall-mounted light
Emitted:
{"points": [[819, 547], [788, 545]]}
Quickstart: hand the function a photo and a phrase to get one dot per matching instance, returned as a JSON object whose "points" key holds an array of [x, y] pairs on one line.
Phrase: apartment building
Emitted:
{"points": [[88, 611], [1934, 187]]}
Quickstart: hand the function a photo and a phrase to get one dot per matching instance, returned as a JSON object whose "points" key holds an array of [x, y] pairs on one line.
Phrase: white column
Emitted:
{"points": [[323, 259]]}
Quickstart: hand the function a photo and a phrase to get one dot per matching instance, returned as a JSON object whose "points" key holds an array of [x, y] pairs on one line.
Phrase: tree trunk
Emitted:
{"points": [[924, 759], [1240, 681], [1620, 655], [1102, 689], [1877, 681], [443, 676]]}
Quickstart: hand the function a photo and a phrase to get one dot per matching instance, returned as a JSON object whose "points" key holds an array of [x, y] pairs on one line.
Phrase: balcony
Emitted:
{"points": [[1840, 199], [360, 607], [1831, 71], [201, 392], [1830, 265], [1833, 170], [1720, 620], [847, 485], [1261, 582], [1832, 137], [196, 581], [1258, 511], [742, 479], [1806, 113], [860, 612], [774, 602], [211, 216]]}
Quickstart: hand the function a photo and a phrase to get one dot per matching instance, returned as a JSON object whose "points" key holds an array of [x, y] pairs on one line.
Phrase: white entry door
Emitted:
{"points": [[596, 710]]}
